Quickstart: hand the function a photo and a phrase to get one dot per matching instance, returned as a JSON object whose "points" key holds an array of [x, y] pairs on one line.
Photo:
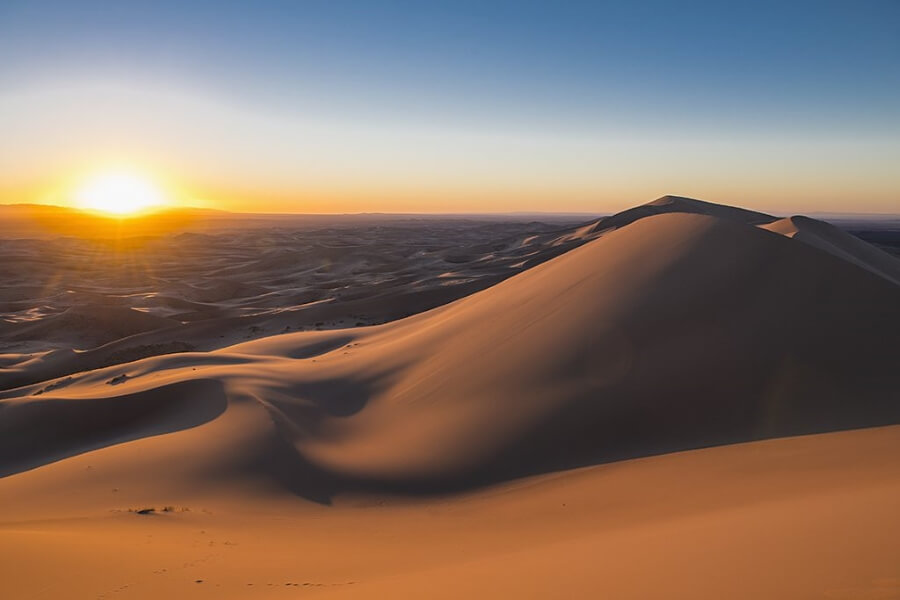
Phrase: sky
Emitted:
{"points": [[456, 106]]}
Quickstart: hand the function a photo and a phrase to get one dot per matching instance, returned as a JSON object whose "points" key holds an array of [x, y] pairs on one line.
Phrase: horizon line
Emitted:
{"points": [[224, 212]]}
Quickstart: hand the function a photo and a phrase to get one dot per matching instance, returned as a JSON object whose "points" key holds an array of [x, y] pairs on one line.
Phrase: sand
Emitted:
{"points": [[688, 401]]}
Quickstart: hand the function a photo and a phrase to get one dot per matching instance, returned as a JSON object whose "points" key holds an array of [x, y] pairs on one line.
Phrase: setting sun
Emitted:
{"points": [[119, 193]]}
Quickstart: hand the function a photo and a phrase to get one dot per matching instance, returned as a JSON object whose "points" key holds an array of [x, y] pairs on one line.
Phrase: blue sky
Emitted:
{"points": [[435, 106]]}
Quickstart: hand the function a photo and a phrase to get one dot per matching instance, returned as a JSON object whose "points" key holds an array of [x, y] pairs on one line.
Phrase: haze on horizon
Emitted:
{"points": [[445, 107]]}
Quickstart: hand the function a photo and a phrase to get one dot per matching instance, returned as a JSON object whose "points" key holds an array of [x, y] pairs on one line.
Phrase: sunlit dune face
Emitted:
{"points": [[119, 193]]}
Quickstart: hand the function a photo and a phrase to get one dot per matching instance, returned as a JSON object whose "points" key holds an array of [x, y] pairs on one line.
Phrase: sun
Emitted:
{"points": [[119, 193]]}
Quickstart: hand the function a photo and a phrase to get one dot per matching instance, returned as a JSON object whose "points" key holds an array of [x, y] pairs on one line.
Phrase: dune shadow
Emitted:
{"points": [[571, 440], [40, 431], [303, 404], [320, 347], [297, 413]]}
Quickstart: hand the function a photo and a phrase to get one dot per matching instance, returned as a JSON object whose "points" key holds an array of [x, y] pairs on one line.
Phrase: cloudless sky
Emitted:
{"points": [[457, 106]]}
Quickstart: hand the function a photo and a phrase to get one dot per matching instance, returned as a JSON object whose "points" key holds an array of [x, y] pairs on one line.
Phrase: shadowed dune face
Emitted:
{"points": [[673, 330], [39, 430]]}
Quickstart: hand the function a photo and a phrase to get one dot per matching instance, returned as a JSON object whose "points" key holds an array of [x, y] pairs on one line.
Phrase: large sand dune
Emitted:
{"points": [[671, 327]]}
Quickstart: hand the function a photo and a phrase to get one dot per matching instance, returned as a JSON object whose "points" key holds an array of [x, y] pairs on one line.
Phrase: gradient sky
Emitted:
{"points": [[434, 107]]}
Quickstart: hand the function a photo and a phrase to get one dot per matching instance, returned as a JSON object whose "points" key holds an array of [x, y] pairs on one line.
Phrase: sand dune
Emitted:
{"points": [[830, 239], [672, 327]]}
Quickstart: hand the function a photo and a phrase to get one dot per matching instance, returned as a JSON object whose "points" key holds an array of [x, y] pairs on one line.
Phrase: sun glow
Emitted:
{"points": [[119, 193]]}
